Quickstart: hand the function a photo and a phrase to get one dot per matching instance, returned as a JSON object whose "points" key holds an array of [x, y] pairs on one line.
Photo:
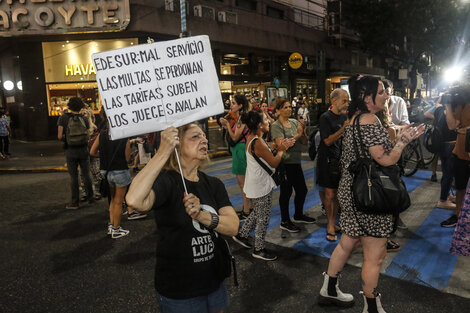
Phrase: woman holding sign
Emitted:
{"points": [[186, 278], [238, 132]]}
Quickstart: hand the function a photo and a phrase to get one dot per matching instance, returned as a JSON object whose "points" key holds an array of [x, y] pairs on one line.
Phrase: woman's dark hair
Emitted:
{"points": [[359, 88], [252, 119], [280, 102], [75, 104], [457, 96], [241, 100]]}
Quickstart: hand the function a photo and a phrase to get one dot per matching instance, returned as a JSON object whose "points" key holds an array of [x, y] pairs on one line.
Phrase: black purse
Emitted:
{"points": [[223, 258], [279, 176], [376, 189], [233, 143]]}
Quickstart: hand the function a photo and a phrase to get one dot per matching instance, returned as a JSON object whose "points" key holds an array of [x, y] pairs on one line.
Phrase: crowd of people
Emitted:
{"points": [[193, 209]]}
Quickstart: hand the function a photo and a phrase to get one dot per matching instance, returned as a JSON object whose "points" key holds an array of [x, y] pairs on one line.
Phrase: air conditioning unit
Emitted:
{"points": [[227, 17], [170, 5], [205, 12]]}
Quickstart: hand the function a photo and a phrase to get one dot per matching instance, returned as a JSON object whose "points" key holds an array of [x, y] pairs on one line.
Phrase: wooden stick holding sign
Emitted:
{"points": [[181, 171]]}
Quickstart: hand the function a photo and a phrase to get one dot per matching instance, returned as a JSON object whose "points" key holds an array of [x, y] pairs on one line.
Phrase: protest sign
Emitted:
{"points": [[150, 87]]}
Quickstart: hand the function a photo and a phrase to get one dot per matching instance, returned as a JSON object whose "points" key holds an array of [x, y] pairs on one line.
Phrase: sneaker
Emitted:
{"points": [[110, 229], [118, 232], [72, 206], [263, 254], [303, 219], [290, 227], [244, 242], [451, 198], [97, 196], [393, 246], [401, 225], [433, 178], [136, 215], [243, 216], [450, 222], [446, 205]]}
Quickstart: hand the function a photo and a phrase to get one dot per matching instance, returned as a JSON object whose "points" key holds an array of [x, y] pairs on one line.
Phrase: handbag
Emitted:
{"points": [[376, 189], [223, 258], [279, 175], [233, 143]]}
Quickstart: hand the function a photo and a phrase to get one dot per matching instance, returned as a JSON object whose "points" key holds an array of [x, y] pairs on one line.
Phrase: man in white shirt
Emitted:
{"points": [[396, 105]]}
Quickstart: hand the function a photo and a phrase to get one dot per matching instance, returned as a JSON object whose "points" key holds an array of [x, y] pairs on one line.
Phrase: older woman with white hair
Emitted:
{"points": [[186, 278]]}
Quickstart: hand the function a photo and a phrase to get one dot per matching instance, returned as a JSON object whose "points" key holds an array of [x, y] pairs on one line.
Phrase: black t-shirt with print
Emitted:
{"points": [[185, 256]]}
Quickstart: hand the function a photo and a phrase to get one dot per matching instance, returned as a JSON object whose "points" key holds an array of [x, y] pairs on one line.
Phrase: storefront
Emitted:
{"points": [[69, 71]]}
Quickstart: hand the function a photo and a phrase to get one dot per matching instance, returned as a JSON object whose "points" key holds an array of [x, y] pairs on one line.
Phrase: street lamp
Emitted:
{"points": [[453, 74]]}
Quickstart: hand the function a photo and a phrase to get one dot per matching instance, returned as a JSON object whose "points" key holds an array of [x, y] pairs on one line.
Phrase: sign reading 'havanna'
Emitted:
{"points": [[149, 87], [49, 16]]}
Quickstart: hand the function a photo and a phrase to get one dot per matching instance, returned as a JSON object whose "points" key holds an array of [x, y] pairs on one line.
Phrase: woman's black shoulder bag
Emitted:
{"points": [[376, 189], [223, 258], [279, 175]]}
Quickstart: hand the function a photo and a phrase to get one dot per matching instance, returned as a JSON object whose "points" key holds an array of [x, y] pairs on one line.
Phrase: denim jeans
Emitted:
{"points": [[447, 163], [211, 303], [76, 157]]}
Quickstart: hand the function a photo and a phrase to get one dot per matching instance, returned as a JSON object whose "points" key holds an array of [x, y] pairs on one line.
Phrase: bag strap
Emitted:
{"points": [[261, 163]]}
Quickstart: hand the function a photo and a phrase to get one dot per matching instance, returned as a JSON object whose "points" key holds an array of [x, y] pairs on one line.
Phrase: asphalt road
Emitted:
{"points": [[56, 260]]}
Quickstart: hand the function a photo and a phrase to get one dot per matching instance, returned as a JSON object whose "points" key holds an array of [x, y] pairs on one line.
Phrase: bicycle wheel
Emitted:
{"points": [[428, 157], [410, 160]]}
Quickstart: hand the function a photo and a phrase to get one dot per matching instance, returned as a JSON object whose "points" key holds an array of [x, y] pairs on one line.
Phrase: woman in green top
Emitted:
{"points": [[286, 127], [238, 132]]}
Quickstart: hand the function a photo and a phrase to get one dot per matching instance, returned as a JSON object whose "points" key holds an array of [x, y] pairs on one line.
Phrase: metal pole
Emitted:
{"points": [[184, 30]]}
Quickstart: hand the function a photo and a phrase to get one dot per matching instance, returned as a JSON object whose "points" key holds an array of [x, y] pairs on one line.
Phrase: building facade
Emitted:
{"points": [[45, 50]]}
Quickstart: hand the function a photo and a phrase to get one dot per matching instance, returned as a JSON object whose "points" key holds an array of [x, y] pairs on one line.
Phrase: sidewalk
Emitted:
{"points": [[34, 156], [48, 156]]}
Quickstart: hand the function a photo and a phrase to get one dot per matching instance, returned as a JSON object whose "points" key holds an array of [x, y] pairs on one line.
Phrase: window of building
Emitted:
{"points": [[354, 58], [234, 64], [246, 4], [273, 12]]}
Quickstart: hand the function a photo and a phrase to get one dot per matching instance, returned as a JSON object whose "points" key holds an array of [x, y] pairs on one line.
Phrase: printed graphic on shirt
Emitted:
{"points": [[203, 246]]}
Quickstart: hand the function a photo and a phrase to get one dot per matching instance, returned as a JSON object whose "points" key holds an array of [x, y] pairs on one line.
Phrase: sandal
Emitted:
{"points": [[331, 235], [337, 229], [393, 246]]}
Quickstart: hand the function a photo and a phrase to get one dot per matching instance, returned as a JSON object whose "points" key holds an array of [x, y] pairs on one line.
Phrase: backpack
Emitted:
{"points": [[434, 137], [76, 133], [312, 146]]}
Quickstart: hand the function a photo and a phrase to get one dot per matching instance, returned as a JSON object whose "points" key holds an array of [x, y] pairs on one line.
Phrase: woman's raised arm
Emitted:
{"points": [[140, 195]]}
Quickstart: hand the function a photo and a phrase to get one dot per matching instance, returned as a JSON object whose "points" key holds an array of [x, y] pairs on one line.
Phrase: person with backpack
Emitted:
{"points": [[72, 129], [259, 184], [441, 141]]}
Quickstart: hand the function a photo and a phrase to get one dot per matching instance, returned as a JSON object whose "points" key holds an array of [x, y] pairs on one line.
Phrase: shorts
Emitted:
{"points": [[328, 173], [119, 178], [238, 159], [461, 173], [211, 303]]}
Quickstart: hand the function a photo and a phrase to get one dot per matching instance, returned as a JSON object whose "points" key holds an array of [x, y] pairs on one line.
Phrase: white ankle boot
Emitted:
{"points": [[378, 304], [340, 298]]}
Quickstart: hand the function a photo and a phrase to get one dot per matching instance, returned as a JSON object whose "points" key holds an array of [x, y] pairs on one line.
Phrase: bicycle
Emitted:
{"points": [[415, 157]]}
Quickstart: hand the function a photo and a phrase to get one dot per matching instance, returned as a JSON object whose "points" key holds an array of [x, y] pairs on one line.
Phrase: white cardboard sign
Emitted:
{"points": [[149, 87]]}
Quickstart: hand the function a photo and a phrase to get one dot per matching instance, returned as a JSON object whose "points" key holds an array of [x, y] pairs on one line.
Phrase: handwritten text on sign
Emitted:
{"points": [[149, 87]]}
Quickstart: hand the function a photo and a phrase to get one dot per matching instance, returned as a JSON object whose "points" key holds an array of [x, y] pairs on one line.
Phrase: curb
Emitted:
{"points": [[57, 169]]}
